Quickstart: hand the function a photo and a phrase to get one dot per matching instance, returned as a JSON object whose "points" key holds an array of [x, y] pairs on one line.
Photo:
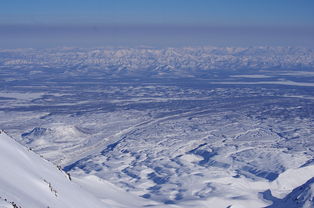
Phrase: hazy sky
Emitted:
{"points": [[90, 23]]}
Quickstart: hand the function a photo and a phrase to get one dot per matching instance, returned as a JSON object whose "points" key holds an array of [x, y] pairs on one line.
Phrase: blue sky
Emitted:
{"points": [[49, 23]]}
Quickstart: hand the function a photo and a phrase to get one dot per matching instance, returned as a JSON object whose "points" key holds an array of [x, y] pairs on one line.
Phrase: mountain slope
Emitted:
{"points": [[28, 181], [300, 197]]}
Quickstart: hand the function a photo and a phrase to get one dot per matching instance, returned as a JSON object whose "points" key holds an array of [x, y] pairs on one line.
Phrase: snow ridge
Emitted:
{"points": [[27, 180]]}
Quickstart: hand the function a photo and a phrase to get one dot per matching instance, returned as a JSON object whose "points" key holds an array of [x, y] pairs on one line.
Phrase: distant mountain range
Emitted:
{"points": [[181, 62]]}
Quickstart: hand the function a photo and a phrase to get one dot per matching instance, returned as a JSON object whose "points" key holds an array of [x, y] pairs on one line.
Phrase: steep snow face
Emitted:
{"points": [[300, 197], [27, 180]]}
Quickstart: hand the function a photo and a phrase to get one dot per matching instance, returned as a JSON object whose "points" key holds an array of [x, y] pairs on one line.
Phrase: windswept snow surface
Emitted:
{"points": [[172, 127], [28, 180]]}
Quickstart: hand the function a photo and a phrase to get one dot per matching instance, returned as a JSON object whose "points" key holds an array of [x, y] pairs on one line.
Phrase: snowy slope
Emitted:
{"points": [[29, 181], [300, 197]]}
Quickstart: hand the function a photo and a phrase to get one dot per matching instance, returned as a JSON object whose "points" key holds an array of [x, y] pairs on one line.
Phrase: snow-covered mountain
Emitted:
{"points": [[178, 62], [29, 181], [173, 127]]}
